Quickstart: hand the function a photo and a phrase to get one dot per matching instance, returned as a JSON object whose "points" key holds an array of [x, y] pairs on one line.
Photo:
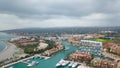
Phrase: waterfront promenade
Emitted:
{"points": [[8, 52]]}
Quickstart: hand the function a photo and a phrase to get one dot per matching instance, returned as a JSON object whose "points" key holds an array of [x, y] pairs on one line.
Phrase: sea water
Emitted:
{"points": [[3, 37]]}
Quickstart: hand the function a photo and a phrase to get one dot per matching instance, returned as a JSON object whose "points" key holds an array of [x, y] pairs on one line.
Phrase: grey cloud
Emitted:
{"points": [[69, 12], [25, 8]]}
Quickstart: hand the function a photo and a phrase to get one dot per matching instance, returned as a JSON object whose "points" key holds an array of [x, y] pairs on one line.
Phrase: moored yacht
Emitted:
{"points": [[71, 63], [32, 64], [82, 67], [59, 63], [66, 48], [65, 63], [74, 65]]}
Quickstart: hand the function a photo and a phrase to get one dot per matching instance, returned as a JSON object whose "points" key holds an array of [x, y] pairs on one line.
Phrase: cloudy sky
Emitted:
{"points": [[58, 13]]}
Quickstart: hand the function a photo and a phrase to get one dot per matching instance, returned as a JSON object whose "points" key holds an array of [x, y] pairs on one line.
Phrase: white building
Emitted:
{"points": [[91, 43], [42, 46], [18, 38]]}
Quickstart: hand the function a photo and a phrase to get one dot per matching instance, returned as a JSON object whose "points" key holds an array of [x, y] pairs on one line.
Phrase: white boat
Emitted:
{"points": [[10, 67], [29, 65], [71, 63], [59, 63], [82, 66], [28, 60], [66, 48], [32, 64], [37, 62], [65, 63], [74, 65], [47, 58]]}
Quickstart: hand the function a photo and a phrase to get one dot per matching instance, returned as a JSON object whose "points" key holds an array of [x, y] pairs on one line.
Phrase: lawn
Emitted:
{"points": [[103, 40]]}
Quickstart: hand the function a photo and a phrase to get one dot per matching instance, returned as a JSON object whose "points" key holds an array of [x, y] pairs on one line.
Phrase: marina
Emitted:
{"points": [[56, 60], [51, 62]]}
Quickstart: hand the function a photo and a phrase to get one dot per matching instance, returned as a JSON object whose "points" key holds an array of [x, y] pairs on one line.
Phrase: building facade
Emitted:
{"points": [[91, 43]]}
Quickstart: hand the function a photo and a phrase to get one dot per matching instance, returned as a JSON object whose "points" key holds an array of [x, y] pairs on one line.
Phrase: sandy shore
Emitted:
{"points": [[8, 52]]}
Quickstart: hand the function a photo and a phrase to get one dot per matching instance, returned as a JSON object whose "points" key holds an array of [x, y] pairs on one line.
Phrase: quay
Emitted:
{"points": [[37, 55]]}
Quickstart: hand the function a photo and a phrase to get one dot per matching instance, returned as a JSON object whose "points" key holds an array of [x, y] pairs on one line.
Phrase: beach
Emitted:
{"points": [[8, 52]]}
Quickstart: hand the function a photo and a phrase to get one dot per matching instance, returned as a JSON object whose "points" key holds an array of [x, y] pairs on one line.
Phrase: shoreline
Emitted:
{"points": [[8, 51], [6, 46]]}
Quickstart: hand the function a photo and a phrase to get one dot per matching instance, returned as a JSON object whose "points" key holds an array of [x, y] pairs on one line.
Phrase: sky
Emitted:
{"points": [[16, 14]]}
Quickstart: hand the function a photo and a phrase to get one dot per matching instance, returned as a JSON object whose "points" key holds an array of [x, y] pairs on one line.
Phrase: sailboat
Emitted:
{"points": [[66, 48]]}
